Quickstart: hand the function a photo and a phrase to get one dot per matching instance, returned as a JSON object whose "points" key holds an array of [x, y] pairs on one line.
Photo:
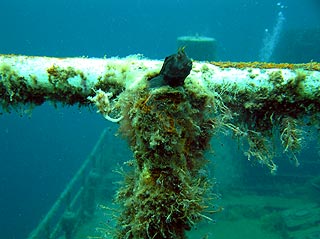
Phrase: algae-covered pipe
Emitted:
{"points": [[169, 128], [33, 79]]}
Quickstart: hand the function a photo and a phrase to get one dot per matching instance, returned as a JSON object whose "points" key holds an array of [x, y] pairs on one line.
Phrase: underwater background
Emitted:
{"points": [[42, 148]]}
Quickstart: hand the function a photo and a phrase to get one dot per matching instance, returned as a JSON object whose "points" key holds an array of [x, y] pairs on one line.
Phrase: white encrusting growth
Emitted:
{"points": [[252, 79]]}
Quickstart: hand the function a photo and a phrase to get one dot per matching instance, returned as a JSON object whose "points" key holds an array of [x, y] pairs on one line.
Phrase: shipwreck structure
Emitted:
{"points": [[168, 127]]}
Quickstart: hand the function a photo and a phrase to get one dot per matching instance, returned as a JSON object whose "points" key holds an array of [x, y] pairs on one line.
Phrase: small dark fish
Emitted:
{"points": [[174, 70]]}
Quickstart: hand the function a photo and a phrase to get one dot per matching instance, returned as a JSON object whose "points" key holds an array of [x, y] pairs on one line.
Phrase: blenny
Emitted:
{"points": [[174, 70]]}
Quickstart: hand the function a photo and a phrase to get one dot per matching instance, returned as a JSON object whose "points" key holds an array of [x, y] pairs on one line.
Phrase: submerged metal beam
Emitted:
{"points": [[71, 80]]}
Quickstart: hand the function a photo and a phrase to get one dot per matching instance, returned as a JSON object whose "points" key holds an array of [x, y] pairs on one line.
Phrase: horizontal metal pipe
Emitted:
{"points": [[25, 79]]}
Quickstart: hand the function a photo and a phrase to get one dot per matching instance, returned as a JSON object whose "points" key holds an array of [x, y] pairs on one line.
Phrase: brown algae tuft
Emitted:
{"points": [[168, 131]]}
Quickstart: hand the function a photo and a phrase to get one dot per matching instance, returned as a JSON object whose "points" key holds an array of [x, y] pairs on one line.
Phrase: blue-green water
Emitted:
{"points": [[39, 155]]}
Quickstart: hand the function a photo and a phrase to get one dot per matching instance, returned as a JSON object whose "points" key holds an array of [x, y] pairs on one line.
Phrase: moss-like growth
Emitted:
{"points": [[291, 137], [58, 78], [258, 116], [16, 90], [168, 130]]}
